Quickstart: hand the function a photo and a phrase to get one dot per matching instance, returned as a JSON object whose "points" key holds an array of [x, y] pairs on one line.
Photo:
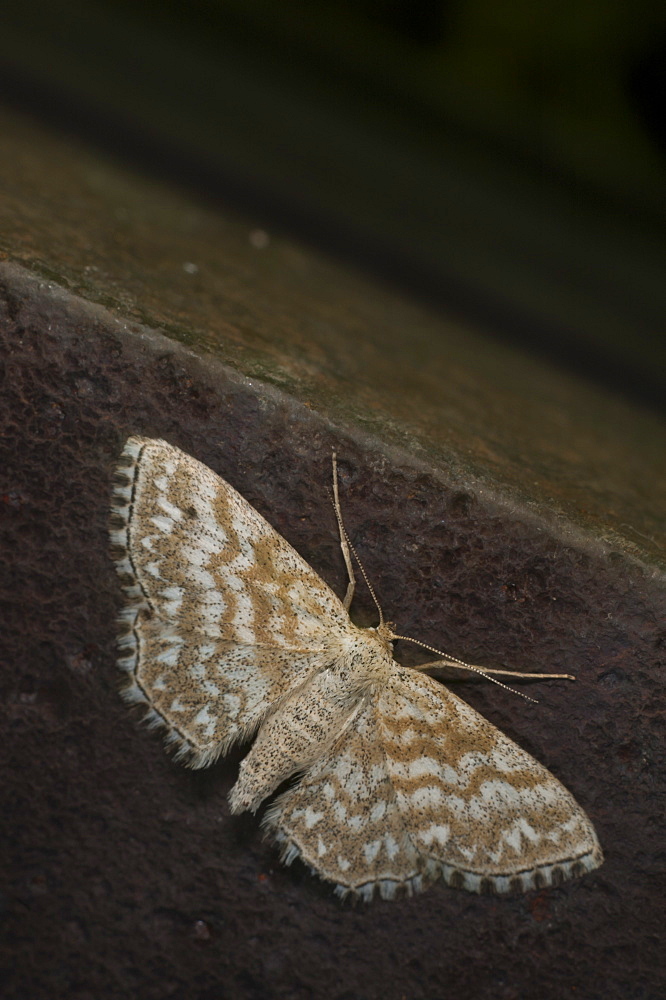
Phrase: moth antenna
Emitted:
{"points": [[467, 666], [348, 548], [344, 545]]}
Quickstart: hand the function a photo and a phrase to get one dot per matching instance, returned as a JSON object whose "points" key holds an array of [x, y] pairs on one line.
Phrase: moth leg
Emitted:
{"points": [[344, 544], [450, 670]]}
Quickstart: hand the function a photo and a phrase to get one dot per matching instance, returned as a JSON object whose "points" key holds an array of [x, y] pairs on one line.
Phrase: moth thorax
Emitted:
{"points": [[368, 658]]}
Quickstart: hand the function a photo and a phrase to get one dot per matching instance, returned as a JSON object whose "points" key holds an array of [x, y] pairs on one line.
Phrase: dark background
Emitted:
{"points": [[503, 161]]}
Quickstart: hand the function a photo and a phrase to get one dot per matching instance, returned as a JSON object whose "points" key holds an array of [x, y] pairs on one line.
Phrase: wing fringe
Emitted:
{"points": [[137, 605], [541, 877]]}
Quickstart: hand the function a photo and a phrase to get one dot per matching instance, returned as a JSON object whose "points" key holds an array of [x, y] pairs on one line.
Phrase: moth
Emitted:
{"points": [[228, 634]]}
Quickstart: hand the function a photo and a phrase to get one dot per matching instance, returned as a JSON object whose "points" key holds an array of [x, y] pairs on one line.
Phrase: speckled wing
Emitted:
{"points": [[343, 820], [223, 616], [474, 804], [422, 787]]}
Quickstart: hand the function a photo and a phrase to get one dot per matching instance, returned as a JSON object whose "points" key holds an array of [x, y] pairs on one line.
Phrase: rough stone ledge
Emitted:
{"points": [[126, 876]]}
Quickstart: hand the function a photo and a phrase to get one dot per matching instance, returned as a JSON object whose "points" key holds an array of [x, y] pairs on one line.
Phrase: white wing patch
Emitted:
{"points": [[227, 632]]}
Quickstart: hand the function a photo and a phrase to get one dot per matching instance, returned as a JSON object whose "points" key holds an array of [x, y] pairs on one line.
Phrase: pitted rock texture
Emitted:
{"points": [[123, 874]]}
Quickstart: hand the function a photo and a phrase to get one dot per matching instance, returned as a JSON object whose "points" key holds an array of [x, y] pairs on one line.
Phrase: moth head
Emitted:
{"points": [[385, 634]]}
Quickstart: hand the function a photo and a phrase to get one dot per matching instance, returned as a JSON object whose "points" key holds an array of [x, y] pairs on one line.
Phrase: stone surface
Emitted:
{"points": [[126, 875], [482, 166], [585, 460], [504, 513]]}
